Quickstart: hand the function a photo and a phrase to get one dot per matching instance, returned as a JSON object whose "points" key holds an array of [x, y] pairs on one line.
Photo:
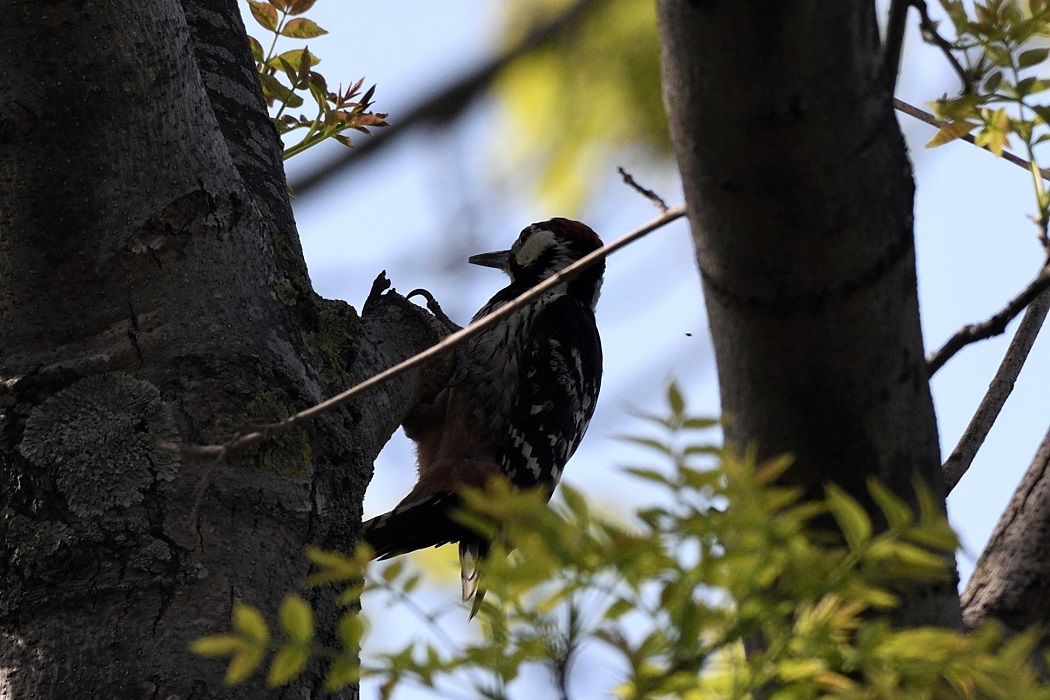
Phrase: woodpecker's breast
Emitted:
{"points": [[533, 383]]}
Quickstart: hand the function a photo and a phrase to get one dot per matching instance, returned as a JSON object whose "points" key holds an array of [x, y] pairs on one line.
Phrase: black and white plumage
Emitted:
{"points": [[529, 393]]}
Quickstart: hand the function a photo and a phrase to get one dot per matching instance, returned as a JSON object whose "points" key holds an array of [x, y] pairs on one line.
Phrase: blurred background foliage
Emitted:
{"points": [[572, 105]]}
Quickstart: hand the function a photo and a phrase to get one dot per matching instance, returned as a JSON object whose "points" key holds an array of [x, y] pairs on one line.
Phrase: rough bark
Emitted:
{"points": [[1009, 582], [800, 198], [152, 285]]}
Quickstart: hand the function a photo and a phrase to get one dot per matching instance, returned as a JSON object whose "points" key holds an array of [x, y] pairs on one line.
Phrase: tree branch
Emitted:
{"points": [[993, 326], [449, 103], [656, 199], [449, 343], [929, 30], [927, 118], [998, 391]]}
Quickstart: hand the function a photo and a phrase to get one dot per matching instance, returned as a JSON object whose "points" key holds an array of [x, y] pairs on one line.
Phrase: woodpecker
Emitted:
{"points": [[520, 409]]}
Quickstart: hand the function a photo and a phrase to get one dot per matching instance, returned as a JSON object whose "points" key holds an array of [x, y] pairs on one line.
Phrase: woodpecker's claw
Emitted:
{"points": [[435, 308], [460, 372]]}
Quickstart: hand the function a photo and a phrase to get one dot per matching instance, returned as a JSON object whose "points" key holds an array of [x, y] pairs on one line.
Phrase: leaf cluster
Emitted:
{"points": [[1001, 48], [289, 79], [730, 557]]}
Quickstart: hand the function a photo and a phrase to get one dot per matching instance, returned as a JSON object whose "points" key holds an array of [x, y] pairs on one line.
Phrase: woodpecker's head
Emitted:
{"points": [[548, 247]]}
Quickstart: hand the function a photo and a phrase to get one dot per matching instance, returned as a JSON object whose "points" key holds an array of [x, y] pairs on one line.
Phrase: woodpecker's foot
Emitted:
{"points": [[460, 371], [435, 308]]}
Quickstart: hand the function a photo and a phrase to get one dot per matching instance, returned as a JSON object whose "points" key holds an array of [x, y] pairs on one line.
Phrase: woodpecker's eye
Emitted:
{"points": [[534, 243]]}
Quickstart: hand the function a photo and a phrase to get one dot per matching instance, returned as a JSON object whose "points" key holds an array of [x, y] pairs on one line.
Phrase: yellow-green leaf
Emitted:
{"points": [[256, 49], [243, 664], [850, 515], [216, 645], [296, 618], [892, 506], [302, 28], [264, 13], [287, 664], [949, 132], [342, 673], [250, 623]]}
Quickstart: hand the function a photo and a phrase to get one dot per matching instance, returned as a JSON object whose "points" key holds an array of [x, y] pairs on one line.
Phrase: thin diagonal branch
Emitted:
{"points": [[927, 118], [449, 343], [998, 391], [993, 326], [656, 199]]}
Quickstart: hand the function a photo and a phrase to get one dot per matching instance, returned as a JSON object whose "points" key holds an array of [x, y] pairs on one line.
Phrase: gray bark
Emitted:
{"points": [[152, 285], [800, 197], [1009, 582]]}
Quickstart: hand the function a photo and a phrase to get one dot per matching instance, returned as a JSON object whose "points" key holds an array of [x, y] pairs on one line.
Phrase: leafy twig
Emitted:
{"points": [[927, 118]]}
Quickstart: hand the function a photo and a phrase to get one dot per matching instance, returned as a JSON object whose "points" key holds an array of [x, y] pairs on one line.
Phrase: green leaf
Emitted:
{"points": [[652, 444], [675, 399], [991, 83], [850, 515], [393, 570], [349, 630], [998, 55], [949, 132], [648, 475], [1032, 57], [250, 623], [342, 673], [256, 49], [296, 618], [216, 645], [264, 13], [243, 664], [302, 28], [893, 507], [287, 664], [274, 90]]}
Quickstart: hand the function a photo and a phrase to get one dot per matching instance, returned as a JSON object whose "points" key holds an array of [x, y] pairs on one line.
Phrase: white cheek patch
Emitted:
{"points": [[533, 247]]}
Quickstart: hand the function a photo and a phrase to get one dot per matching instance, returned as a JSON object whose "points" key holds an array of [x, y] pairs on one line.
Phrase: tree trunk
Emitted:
{"points": [[800, 198], [1009, 582], [152, 286]]}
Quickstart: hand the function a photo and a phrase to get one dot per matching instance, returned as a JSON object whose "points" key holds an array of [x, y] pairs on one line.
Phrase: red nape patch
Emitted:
{"points": [[573, 231]]}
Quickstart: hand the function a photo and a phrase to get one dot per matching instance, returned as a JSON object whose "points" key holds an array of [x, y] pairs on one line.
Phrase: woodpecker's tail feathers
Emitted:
{"points": [[413, 526]]}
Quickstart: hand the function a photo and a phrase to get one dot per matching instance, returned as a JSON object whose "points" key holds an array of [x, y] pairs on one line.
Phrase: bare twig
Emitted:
{"points": [[450, 342], [993, 326], [998, 390], [656, 199], [929, 30], [926, 117], [894, 46]]}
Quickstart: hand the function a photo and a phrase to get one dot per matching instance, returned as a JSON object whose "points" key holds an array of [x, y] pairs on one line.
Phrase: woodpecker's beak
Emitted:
{"points": [[499, 260]]}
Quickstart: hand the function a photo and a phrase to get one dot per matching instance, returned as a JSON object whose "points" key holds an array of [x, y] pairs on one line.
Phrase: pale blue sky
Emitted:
{"points": [[410, 207]]}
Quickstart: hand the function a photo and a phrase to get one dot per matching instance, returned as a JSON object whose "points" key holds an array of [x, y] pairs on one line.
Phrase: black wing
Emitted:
{"points": [[559, 378]]}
